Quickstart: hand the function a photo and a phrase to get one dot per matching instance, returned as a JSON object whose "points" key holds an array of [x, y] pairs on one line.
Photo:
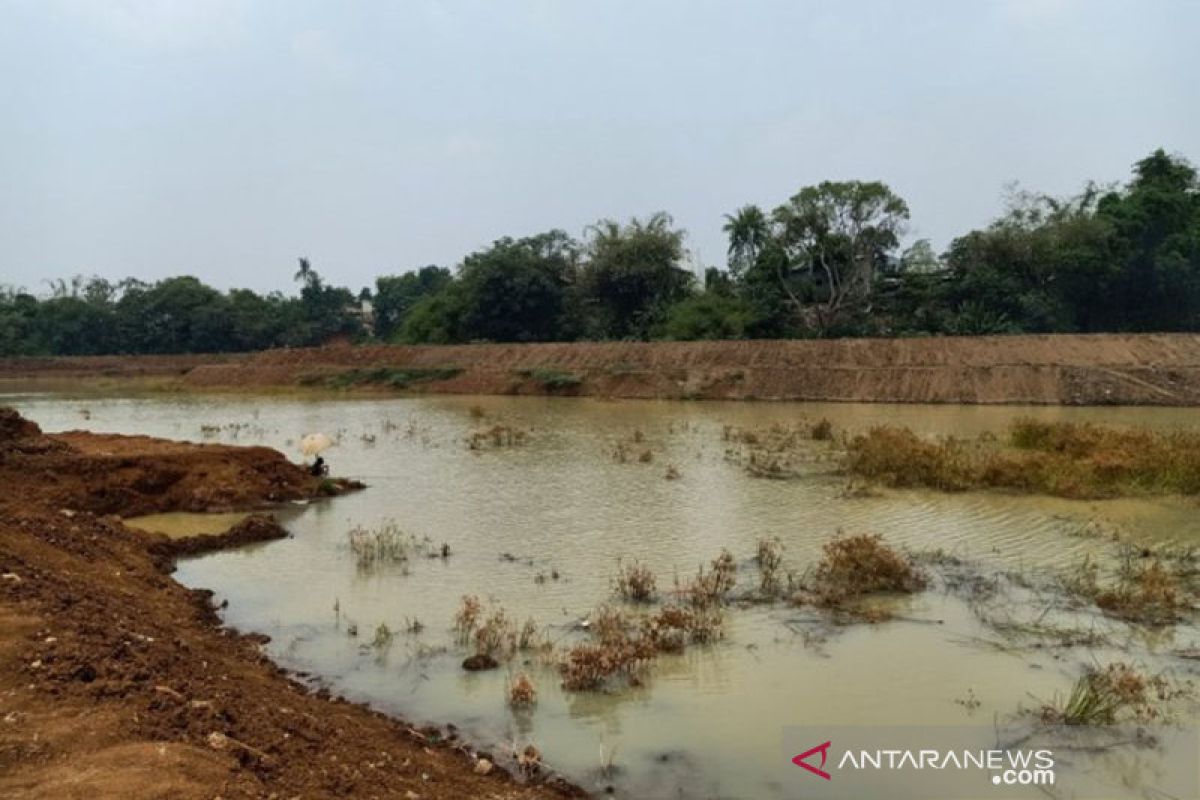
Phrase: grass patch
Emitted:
{"points": [[1146, 591], [1110, 695], [1055, 458], [385, 544], [394, 378], [555, 380]]}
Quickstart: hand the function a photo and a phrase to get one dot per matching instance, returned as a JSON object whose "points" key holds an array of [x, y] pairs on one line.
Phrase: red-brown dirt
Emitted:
{"points": [[118, 682], [1135, 369]]}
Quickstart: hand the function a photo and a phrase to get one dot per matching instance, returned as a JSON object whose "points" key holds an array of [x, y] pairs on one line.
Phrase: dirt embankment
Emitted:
{"points": [[118, 682], [1134, 369]]}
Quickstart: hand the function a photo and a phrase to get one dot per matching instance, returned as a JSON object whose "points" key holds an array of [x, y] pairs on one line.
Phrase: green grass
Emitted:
{"points": [[395, 378], [553, 379]]}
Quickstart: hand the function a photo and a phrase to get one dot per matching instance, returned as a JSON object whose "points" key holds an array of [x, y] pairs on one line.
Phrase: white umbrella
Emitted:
{"points": [[314, 443]]}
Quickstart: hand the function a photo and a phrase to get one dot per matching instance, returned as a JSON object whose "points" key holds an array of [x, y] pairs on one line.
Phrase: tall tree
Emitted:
{"points": [[837, 235], [632, 275]]}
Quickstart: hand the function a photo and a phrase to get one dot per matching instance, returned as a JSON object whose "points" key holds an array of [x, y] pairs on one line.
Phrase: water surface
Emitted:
{"points": [[537, 528]]}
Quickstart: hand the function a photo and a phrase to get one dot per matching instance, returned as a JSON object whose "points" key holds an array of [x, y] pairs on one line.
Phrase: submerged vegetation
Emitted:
{"points": [[1056, 458], [384, 544], [1146, 589], [1113, 694], [635, 582], [854, 567], [496, 436]]}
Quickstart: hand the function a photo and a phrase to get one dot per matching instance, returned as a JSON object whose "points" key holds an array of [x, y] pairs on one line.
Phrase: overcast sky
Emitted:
{"points": [[224, 138]]}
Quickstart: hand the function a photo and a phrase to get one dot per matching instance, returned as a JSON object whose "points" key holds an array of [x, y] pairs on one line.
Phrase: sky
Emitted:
{"points": [[225, 138]]}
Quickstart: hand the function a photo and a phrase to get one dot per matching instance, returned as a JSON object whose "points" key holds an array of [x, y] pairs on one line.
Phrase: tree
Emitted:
{"points": [[516, 291], [749, 233], [632, 275], [395, 296], [836, 236]]}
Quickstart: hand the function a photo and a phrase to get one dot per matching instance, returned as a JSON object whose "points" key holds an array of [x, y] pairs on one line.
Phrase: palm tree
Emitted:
{"points": [[306, 274], [748, 232]]}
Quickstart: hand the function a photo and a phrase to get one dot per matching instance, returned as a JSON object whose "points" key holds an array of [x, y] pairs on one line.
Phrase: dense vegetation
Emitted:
{"points": [[825, 263]]}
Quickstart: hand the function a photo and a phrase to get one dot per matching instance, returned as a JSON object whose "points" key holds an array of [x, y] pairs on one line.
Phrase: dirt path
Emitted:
{"points": [[1126, 369], [118, 682]]}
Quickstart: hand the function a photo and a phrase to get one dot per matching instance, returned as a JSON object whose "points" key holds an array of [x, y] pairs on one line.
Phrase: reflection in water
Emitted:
{"points": [[709, 721]]}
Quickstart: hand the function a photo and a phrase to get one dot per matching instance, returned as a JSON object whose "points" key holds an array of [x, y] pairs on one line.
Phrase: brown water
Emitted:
{"points": [[707, 723]]}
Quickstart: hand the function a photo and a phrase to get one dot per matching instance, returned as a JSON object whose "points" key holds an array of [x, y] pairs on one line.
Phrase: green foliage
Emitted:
{"points": [[553, 379], [709, 316], [825, 263], [383, 376], [396, 295], [632, 275]]}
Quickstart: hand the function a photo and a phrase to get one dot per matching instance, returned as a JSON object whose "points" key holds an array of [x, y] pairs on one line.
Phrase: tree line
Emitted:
{"points": [[827, 262]]}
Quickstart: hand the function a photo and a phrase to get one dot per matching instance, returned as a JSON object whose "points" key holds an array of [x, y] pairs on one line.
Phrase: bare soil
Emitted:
{"points": [[1125, 369], [118, 682]]}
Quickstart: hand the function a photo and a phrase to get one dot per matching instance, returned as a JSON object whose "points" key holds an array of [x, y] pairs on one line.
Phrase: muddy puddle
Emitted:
{"points": [[536, 525], [182, 525]]}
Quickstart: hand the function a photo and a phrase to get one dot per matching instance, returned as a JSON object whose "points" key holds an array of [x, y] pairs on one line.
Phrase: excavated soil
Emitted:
{"points": [[1124, 369], [118, 682]]}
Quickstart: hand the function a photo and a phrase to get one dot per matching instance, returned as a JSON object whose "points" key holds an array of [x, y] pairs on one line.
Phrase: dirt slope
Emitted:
{"points": [[118, 682], [1136, 369]]}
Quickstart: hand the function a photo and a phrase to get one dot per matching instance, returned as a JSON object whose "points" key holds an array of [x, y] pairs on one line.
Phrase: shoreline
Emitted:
{"points": [[118, 681], [1051, 369]]}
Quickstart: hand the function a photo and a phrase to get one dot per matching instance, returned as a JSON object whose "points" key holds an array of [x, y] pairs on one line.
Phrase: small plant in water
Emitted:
{"points": [[385, 544], [770, 562], [856, 566], [466, 619], [1104, 696], [635, 582], [383, 637], [522, 692]]}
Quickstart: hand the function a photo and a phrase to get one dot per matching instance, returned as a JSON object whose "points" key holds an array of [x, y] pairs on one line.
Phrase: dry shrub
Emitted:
{"points": [[646, 456], [522, 692], [1105, 696], [496, 636], [673, 627], [494, 633], [821, 431], [770, 561], [466, 619], [635, 582], [898, 457], [709, 587], [609, 624], [384, 544], [856, 566], [1057, 458], [591, 666], [621, 650], [1148, 594]]}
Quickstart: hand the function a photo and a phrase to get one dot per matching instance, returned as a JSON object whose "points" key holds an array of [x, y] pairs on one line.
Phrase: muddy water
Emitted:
{"points": [[181, 525], [537, 528]]}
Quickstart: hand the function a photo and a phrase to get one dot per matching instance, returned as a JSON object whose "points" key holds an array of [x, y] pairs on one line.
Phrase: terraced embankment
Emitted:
{"points": [[1126, 369]]}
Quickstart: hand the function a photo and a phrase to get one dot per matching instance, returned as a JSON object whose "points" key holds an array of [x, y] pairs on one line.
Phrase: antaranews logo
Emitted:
{"points": [[952, 762], [823, 749], [1009, 767]]}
